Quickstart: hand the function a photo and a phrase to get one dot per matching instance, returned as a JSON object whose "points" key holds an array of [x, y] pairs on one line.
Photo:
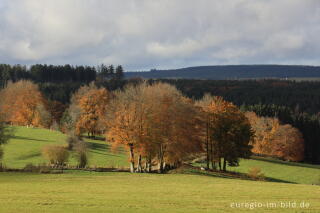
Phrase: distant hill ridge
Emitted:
{"points": [[224, 72]]}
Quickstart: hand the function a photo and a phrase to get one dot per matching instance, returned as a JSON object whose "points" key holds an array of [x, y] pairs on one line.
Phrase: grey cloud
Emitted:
{"points": [[143, 34]]}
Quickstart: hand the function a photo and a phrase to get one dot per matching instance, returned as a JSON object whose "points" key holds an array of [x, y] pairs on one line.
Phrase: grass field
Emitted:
{"points": [[81, 191], [25, 147], [27, 143], [125, 192], [280, 171]]}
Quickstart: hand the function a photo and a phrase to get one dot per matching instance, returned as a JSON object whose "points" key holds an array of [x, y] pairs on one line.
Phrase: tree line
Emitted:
{"points": [[155, 122], [298, 96], [42, 73], [301, 96]]}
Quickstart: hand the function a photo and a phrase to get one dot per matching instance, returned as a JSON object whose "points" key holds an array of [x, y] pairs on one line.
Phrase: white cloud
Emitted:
{"points": [[168, 33]]}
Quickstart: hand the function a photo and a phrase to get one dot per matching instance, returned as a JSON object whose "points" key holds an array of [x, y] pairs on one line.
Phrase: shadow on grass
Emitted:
{"points": [[30, 139], [104, 147], [25, 157], [104, 153], [287, 163], [278, 180], [98, 138], [231, 175], [99, 146]]}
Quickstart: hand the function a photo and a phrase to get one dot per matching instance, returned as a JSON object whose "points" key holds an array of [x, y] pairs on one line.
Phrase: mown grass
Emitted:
{"points": [[125, 192]]}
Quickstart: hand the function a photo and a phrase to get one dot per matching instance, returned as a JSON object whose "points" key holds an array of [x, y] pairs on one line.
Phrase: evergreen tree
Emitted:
{"points": [[119, 73]]}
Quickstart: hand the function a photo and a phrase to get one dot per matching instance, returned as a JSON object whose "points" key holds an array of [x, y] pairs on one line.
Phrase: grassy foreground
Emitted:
{"points": [[124, 192]]}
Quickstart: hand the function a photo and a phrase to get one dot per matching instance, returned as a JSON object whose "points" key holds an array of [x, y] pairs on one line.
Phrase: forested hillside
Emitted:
{"points": [[232, 72]]}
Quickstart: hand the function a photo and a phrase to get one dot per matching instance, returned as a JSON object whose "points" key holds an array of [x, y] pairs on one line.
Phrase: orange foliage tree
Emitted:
{"points": [[93, 106], [175, 124], [126, 121], [71, 115], [155, 122], [228, 133], [275, 139], [21, 103]]}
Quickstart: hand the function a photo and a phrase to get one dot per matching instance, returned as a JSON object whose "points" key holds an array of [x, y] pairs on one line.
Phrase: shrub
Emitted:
{"points": [[57, 155], [81, 153], [40, 168], [54, 126], [72, 140], [256, 173]]}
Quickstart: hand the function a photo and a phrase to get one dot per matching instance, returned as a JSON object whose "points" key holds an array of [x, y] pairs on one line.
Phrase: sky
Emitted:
{"points": [[146, 34]]}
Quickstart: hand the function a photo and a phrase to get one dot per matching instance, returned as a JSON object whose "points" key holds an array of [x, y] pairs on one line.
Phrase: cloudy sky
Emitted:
{"points": [[144, 34]]}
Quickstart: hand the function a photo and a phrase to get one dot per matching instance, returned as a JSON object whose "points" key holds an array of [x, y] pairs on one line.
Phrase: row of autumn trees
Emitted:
{"points": [[157, 124]]}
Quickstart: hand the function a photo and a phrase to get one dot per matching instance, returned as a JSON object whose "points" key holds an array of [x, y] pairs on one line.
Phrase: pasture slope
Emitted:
{"points": [[26, 145]]}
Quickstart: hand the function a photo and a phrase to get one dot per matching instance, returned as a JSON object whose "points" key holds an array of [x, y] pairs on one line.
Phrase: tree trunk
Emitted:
{"points": [[207, 147], [160, 166], [211, 153], [131, 158], [146, 166], [139, 169], [219, 164], [224, 164], [93, 135], [149, 165], [213, 164], [160, 163]]}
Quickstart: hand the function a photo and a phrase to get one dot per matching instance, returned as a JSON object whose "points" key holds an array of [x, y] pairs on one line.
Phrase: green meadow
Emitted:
{"points": [[26, 145], [290, 188]]}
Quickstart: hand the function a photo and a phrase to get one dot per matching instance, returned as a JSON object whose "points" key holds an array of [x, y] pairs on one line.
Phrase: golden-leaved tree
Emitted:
{"points": [[23, 104], [275, 139], [93, 106], [175, 125], [156, 123], [126, 120], [71, 115], [228, 133]]}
